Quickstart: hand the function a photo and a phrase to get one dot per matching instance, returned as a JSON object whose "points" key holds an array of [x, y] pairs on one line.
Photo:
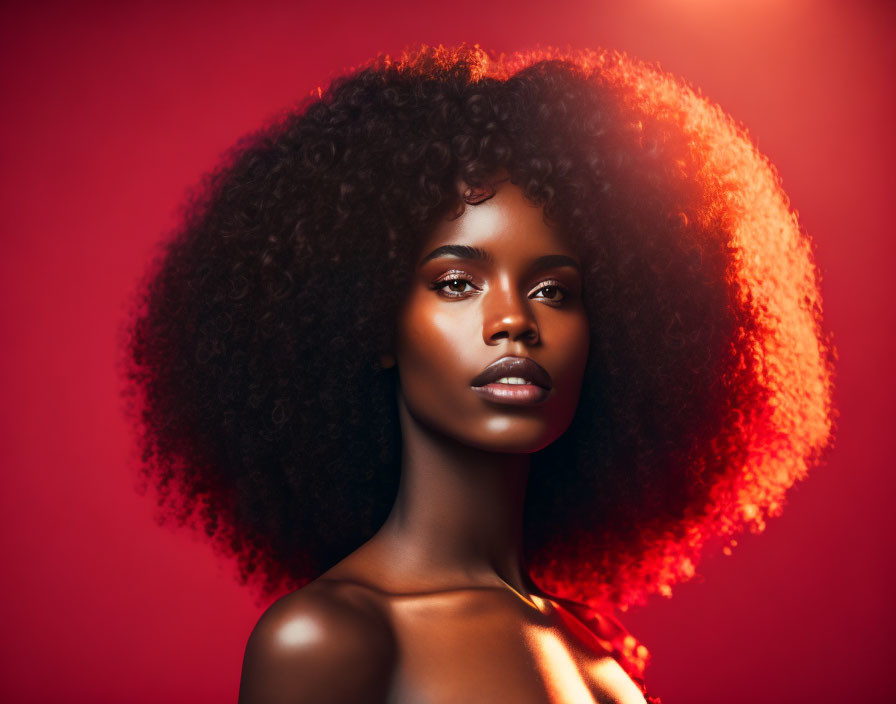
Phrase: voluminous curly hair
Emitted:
{"points": [[253, 351]]}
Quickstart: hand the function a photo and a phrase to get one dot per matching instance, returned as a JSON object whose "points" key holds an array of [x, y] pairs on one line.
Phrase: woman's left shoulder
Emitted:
{"points": [[613, 638]]}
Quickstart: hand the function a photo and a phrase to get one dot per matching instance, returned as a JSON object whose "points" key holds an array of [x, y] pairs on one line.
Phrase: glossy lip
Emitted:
{"points": [[536, 391], [513, 394], [514, 366]]}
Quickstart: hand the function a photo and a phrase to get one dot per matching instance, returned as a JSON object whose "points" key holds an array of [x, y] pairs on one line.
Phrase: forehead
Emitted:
{"points": [[507, 225]]}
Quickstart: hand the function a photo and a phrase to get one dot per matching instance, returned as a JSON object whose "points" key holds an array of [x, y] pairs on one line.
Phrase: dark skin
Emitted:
{"points": [[438, 606]]}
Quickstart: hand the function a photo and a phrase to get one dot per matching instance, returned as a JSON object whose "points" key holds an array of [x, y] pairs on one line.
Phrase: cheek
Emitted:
{"points": [[570, 361], [572, 338], [423, 345], [430, 349]]}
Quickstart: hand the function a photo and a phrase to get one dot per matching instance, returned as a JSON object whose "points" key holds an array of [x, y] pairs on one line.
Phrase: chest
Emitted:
{"points": [[490, 649]]}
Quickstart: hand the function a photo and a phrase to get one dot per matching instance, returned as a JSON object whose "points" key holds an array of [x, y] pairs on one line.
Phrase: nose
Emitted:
{"points": [[507, 316]]}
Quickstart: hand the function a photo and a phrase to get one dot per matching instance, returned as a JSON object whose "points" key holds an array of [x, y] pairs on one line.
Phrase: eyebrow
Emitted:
{"points": [[462, 251]]}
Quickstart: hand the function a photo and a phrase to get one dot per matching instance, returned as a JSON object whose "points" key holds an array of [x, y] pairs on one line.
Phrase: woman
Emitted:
{"points": [[473, 351]]}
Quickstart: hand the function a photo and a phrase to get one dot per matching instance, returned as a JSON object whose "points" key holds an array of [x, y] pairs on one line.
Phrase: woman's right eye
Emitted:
{"points": [[455, 287]]}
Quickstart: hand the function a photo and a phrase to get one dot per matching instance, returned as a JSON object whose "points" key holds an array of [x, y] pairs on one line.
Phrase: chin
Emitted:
{"points": [[522, 430], [509, 435]]}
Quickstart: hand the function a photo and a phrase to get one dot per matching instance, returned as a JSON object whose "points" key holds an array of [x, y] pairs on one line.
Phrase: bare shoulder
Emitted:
{"points": [[617, 670], [323, 643]]}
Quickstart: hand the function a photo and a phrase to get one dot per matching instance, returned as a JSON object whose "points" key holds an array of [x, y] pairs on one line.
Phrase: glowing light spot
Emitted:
{"points": [[300, 631], [562, 676], [498, 424], [614, 681]]}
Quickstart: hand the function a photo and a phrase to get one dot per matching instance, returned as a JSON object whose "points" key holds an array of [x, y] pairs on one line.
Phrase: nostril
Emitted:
{"points": [[530, 336]]}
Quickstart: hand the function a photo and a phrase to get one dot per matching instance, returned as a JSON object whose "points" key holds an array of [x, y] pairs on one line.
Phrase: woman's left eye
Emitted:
{"points": [[551, 291]]}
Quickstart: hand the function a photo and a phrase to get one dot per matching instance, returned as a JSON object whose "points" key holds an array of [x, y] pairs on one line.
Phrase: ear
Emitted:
{"points": [[387, 360]]}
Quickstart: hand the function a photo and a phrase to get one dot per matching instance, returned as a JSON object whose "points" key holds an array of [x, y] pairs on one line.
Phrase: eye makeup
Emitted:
{"points": [[451, 277]]}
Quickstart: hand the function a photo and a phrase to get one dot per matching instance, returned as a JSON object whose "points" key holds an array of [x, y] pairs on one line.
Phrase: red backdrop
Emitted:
{"points": [[111, 111]]}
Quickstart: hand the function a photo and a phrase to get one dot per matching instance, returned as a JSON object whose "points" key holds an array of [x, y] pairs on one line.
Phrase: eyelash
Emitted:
{"points": [[552, 283], [450, 277], [441, 284]]}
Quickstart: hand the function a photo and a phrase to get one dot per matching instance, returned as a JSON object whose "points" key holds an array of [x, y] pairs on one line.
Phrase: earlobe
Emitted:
{"points": [[387, 361]]}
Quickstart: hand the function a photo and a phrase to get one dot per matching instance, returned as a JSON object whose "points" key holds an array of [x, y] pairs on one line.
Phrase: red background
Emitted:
{"points": [[111, 111]]}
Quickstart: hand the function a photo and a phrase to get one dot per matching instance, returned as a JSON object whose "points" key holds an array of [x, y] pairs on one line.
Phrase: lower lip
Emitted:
{"points": [[513, 394]]}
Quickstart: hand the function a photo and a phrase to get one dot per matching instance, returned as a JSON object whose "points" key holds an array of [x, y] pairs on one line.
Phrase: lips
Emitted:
{"points": [[520, 367]]}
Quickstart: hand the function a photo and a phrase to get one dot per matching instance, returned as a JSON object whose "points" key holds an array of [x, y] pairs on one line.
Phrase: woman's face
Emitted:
{"points": [[492, 341]]}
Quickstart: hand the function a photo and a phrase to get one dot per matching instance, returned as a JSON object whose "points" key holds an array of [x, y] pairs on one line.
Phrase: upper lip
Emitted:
{"points": [[514, 366]]}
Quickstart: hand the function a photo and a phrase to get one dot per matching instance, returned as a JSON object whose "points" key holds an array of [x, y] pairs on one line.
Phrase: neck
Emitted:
{"points": [[457, 520]]}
